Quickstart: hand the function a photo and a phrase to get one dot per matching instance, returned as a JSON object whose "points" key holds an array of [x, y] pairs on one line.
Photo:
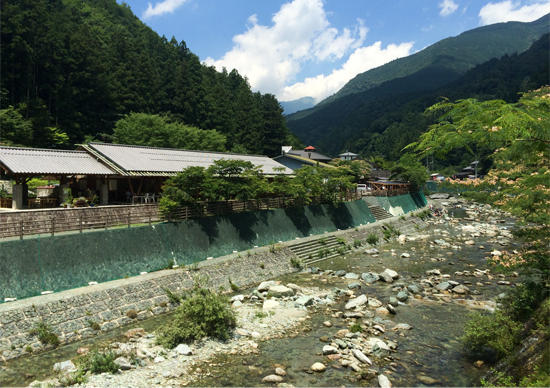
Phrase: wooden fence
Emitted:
{"points": [[27, 223]]}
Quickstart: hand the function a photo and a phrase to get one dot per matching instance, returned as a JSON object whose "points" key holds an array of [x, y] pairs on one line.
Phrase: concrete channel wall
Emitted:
{"points": [[72, 313]]}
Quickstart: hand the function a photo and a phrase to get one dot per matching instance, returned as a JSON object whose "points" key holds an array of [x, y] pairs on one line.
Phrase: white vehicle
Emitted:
{"points": [[361, 187]]}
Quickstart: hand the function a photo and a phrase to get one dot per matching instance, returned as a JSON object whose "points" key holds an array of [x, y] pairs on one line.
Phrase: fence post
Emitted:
{"points": [[21, 230], [53, 226]]}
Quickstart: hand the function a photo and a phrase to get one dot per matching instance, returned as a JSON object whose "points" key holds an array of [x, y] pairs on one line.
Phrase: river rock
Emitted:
{"points": [[496, 253], [340, 273], [351, 275], [440, 242], [294, 287], [469, 242], [327, 349], [384, 382], [413, 289], [354, 286], [391, 309], [370, 277], [402, 296], [402, 239], [64, 366], [280, 372], [427, 380], [270, 304], [83, 350], [361, 357], [123, 364], [382, 310], [280, 291], [392, 273], [405, 255], [461, 289], [374, 303], [380, 349], [359, 301], [159, 359], [265, 286], [133, 333], [443, 286], [433, 272], [239, 298], [394, 301], [314, 270], [327, 323], [403, 326], [318, 367], [237, 304], [478, 363], [305, 300], [372, 251], [186, 350], [272, 379], [353, 314]]}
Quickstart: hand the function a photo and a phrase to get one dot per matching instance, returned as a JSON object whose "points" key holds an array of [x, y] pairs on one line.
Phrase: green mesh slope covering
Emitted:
{"points": [[403, 204], [30, 266]]}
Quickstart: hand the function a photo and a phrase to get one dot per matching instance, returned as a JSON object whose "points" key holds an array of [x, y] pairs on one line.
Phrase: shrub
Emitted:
{"points": [[95, 325], [297, 263], [202, 314], [262, 265], [172, 296], [387, 234], [356, 328], [101, 362], [131, 314], [28, 349], [233, 286], [357, 243], [341, 240], [260, 315], [497, 331], [73, 378], [322, 241], [45, 334], [372, 239]]}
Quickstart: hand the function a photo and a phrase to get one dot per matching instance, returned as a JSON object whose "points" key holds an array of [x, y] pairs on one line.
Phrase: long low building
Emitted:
{"points": [[116, 173]]}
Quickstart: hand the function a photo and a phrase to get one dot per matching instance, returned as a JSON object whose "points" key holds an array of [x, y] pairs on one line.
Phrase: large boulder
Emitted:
{"points": [[388, 275], [370, 277], [340, 273], [351, 275], [305, 300], [265, 286], [184, 350], [381, 350], [414, 289], [444, 286], [280, 291], [384, 382], [122, 363], [461, 289], [402, 296], [359, 301], [327, 349], [64, 366]]}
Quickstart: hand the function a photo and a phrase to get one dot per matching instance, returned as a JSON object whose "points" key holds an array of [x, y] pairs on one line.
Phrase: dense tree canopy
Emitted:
{"points": [[72, 69]]}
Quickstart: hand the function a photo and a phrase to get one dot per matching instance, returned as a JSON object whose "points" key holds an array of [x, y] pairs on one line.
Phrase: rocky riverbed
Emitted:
{"points": [[382, 315]]}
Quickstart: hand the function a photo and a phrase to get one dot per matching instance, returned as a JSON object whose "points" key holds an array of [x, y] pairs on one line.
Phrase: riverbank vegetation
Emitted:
{"points": [[241, 180], [519, 182]]}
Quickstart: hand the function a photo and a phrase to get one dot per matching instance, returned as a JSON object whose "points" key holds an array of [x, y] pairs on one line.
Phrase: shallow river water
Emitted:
{"points": [[430, 349]]}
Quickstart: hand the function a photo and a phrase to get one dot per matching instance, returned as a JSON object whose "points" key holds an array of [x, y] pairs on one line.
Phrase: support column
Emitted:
{"points": [[17, 197], [62, 192], [104, 193]]}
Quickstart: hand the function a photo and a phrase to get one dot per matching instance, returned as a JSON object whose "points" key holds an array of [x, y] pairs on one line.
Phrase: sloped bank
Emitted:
{"points": [[55, 263], [86, 311]]}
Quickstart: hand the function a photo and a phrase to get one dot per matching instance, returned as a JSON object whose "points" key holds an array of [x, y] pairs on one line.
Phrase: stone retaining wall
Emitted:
{"points": [[72, 313]]}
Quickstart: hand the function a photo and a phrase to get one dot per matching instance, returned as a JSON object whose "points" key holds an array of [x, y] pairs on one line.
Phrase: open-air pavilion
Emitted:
{"points": [[116, 173]]}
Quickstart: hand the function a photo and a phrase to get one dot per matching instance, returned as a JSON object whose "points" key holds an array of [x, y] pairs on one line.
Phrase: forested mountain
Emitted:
{"points": [[447, 60], [73, 68]]}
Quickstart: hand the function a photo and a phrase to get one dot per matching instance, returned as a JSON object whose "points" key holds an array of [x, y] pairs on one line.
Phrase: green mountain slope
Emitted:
{"points": [[384, 125], [75, 67], [296, 105], [456, 54]]}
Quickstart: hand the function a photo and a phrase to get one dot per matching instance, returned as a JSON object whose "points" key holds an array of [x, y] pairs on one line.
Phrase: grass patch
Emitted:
{"points": [[45, 334], [357, 243], [323, 241], [297, 263], [372, 239], [356, 328], [341, 240]]}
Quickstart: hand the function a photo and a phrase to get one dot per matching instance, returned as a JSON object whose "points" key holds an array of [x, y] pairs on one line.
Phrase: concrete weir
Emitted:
{"points": [[86, 311]]}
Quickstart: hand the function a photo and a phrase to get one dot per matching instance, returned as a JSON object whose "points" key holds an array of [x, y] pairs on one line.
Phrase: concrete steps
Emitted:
{"points": [[325, 247], [378, 212]]}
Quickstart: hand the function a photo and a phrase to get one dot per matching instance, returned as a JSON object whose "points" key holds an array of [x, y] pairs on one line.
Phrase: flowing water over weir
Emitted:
{"points": [[429, 354]]}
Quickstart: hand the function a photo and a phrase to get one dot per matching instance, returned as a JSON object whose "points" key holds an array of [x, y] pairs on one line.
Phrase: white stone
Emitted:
{"points": [[280, 291], [64, 366], [272, 379], [384, 382], [359, 301], [237, 304], [159, 359], [184, 350], [264, 286], [327, 349], [270, 304], [361, 357], [374, 303], [240, 298], [318, 367]]}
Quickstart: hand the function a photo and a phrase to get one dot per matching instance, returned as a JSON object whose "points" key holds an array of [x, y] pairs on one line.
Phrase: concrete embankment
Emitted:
{"points": [[84, 312]]}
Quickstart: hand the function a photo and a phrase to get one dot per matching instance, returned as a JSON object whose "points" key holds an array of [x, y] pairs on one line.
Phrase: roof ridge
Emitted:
{"points": [[40, 149], [175, 149]]}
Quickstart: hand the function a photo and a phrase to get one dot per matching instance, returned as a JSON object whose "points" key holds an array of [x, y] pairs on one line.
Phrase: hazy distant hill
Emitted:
{"points": [[296, 105], [450, 58]]}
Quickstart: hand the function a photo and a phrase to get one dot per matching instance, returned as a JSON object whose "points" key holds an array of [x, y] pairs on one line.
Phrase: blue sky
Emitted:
{"points": [[298, 48]]}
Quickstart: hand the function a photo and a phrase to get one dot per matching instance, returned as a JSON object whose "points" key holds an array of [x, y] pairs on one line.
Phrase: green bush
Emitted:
{"points": [[341, 240], [98, 362], [356, 328], [322, 241], [497, 331], [372, 239], [45, 334], [297, 263], [203, 314], [357, 243], [387, 234]]}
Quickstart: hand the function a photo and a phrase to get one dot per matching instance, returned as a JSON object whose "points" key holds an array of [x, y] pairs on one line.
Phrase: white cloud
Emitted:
{"points": [[426, 29], [272, 56], [507, 11], [167, 6], [447, 7], [362, 59]]}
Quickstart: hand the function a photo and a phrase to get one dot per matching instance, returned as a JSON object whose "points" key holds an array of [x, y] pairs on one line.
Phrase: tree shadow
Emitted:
{"points": [[298, 217]]}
